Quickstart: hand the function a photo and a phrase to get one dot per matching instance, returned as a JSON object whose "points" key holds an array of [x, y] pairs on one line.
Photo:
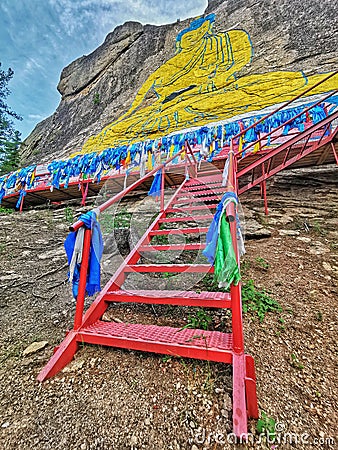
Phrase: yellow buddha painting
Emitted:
{"points": [[201, 84]]}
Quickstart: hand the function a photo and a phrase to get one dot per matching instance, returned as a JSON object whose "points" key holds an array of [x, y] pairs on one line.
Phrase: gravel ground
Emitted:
{"points": [[114, 399]]}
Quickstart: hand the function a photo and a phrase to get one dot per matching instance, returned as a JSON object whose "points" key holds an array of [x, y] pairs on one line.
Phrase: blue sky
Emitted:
{"points": [[40, 37]]}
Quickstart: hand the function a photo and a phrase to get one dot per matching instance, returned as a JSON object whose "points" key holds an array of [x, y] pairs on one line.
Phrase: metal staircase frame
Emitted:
{"points": [[199, 344], [288, 154]]}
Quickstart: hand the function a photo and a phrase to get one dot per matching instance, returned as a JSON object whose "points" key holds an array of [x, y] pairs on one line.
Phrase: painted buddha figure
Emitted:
{"points": [[199, 85]]}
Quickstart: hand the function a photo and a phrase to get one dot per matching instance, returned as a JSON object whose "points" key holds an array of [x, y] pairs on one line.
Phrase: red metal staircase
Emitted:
{"points": [[191, 343]]}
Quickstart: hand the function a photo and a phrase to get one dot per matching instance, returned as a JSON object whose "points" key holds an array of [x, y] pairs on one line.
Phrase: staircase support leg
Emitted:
{"points": [[240, 421], [84, 192], [334, 152], [250, 388], [21, 204], [266, 209], [63, 356]]}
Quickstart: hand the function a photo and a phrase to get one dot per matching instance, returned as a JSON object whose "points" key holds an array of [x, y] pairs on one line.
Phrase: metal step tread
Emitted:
{"points": [[172, 247], [208, 198], [199, 187], [165, 297], [202, 192], [178, 231], [204, 295], [186, 218], [191, 208], [153, 334], [171, 268], [203, 180]]}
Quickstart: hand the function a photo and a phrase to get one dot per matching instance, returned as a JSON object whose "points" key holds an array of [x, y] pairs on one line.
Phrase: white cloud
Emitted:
{"points": [[35, 117], [32, 65], [39, 38]]}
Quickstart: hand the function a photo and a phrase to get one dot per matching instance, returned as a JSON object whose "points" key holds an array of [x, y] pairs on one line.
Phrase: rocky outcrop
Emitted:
{"points": [[96, 89], [86, 70]]}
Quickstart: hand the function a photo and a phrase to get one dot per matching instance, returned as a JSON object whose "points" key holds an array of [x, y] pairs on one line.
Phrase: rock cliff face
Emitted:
{"points": [[98, 88]]}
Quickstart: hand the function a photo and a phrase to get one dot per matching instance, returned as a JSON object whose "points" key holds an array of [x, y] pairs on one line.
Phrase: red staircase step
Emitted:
{"points": [[205, 179], [187, 218], [206, 191], [179, 231], [188, 343], [171, 268], [191, 208], [198, 187], [205, 195], [182, 298], [213, 173], [199, 199], [189, 246]]}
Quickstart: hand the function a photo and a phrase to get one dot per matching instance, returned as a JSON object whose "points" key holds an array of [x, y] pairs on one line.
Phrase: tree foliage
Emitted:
{"points": [[9, 136]]}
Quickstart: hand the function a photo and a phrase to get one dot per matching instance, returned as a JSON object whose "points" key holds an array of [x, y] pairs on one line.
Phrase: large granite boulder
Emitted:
{"points": [[98, 88]]}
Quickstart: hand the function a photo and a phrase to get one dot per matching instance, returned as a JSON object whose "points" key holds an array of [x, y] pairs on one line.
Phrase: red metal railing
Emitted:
{"points": [[235, 291], [83, 278], [269, 163], [236, 139]]}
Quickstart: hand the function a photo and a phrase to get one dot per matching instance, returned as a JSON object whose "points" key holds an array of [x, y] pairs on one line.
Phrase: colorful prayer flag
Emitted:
{"points": [[226, 267]]}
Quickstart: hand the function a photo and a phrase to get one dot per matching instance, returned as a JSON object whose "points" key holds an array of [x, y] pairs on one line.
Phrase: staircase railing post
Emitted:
{"points": [[162, 189], [193, 164], [334, 152], [237, 325], [235, 291], [186, 170], [83, 280], [263, 191]]}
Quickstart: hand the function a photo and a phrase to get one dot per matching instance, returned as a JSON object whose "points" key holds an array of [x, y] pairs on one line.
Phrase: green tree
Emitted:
{"points": [[9, 136]]}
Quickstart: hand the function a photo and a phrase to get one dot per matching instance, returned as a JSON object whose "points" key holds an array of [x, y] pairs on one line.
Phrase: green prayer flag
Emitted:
{"points": [[226, 267]]}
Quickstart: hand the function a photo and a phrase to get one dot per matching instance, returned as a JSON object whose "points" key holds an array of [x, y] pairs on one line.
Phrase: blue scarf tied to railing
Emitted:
{"points": [[96, 249], [21, 196], [213, 232], [155, 188], [219, 249]]}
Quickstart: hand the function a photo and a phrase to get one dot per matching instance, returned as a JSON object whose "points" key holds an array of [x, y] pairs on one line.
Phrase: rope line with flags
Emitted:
{"points": [[140, 155]]}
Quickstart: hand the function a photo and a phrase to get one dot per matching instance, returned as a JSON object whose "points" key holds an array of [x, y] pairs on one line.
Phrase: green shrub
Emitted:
{"points": [[258, 301]]}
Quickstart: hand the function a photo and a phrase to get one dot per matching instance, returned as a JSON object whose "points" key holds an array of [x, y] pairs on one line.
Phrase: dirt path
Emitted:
{"points": [[114, 399]]}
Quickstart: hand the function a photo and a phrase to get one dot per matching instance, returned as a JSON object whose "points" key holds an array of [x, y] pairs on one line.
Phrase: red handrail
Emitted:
{"points": [[235, 291], [82, 280], [252, 144], [286, 104]]}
